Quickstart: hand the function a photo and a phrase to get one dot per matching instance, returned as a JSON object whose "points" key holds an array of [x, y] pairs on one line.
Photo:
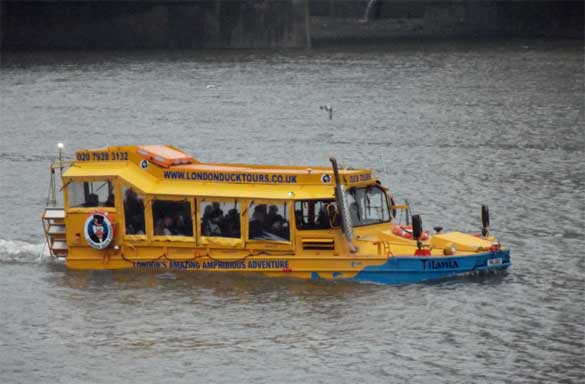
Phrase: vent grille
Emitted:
{"points": [[319, 244]]}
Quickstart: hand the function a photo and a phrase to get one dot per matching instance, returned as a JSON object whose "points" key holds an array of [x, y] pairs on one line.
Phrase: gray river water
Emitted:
{"points": [[447, 125]]}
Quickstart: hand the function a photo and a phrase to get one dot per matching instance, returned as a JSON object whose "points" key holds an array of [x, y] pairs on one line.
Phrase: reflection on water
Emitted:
{"points": [[447, 125]]}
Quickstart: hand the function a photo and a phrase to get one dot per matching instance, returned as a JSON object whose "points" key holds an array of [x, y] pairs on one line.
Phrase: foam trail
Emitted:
{"points": [[15, 251]]}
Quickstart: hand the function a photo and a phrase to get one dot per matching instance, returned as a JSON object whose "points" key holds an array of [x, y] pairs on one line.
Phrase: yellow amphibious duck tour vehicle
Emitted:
{"points": [[154, 207]]}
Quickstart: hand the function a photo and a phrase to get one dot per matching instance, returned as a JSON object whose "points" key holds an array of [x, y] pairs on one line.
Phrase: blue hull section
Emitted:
{"points": [[408, 269]]}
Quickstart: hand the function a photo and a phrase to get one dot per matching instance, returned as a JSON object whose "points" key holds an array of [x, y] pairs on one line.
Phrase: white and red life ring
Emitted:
{"points": [[405, 231]]}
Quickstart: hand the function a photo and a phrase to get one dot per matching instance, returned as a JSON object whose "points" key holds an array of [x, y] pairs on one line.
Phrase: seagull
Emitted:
{"points": [[329, 109]]}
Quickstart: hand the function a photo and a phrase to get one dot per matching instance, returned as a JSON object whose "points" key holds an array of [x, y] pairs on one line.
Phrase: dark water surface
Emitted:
{"points": [[447, 125]]}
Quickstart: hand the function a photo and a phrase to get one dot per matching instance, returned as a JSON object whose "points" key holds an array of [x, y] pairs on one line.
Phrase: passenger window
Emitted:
{"points": [[220, 219], [315, 214], [172, 218], [91, 194], [133, 212], [268, 222]]}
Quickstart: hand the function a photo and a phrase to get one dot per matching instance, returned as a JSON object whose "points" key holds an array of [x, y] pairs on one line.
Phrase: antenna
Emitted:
{"points": [[60, 146]]}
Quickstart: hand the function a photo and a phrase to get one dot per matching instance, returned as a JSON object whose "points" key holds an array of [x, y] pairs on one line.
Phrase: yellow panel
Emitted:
{"points": [[223, 242], [147, 183], [462, 241]]}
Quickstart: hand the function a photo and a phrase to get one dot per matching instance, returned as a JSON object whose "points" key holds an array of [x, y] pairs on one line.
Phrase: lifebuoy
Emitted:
{"points": [[406, 232], [98, 230]]}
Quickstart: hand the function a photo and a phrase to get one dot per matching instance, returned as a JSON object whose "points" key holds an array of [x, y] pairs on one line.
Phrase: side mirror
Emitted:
{"points": [[416, 227]]}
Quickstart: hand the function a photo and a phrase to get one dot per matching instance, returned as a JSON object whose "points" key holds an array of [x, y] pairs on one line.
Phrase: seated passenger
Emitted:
{"points": [[134, 213], [216, 210], [299, 218], [163, 226], [183, 226], [210, 223], [323, 219], [92, 200], [231, 224], [272, 216], [280, 228], [258, 222]]}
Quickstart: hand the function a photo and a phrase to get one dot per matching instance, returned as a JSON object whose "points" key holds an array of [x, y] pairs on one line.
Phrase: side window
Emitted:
{"points": [[367, 206], [375, 206], [133, 211], [354, 198], [269, 222], [172, 218], [220, 219], [91, 194], [314, 214]]}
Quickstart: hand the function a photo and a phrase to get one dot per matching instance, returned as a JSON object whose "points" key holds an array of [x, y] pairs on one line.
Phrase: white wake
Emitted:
{"points": [[16, 251]]}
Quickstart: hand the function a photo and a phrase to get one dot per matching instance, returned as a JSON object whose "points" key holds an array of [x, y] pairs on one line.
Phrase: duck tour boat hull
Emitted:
{"points": [[154, 207]]}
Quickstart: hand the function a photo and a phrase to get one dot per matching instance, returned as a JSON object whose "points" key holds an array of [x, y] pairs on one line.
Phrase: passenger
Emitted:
{"points": [[163, 227], [258, 222], [216, 210], [92, 200], [272, 216], [323, 219], [134, 213], [209, 225], [215, 225], [207, 212], [183, 226], [280, 228], [205, 220], [299, 218], [231, 224], [139, 231]]}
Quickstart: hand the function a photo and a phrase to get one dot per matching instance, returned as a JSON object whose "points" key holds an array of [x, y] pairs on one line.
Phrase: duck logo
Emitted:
{"points": [[326, 179], [98, 230]]}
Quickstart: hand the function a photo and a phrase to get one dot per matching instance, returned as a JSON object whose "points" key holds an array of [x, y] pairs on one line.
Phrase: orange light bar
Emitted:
{"points": [[163, 155]]}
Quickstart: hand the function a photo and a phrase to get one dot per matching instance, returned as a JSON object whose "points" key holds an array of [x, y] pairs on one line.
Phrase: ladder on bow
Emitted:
{"points": [[54, 226]]}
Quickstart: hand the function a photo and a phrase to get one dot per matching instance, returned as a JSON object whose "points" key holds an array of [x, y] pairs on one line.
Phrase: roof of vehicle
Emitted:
{"points": [[166, 170]]}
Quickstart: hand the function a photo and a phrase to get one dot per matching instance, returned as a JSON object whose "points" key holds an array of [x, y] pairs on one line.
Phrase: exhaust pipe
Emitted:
{"points": [[341, 206]]}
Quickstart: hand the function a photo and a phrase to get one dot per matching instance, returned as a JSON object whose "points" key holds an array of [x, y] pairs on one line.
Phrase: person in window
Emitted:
{"points": [[272, 216], [163, 226], [258, 222], [205, 220], [299, 218], [183, 225], [210, 223], [216, 210], [323, 219], [279, 228], [92, 200], [134, 212], [231, 223]]}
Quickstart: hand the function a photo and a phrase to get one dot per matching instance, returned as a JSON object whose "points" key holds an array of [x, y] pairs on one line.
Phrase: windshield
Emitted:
{"points": [[367, 206]]}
